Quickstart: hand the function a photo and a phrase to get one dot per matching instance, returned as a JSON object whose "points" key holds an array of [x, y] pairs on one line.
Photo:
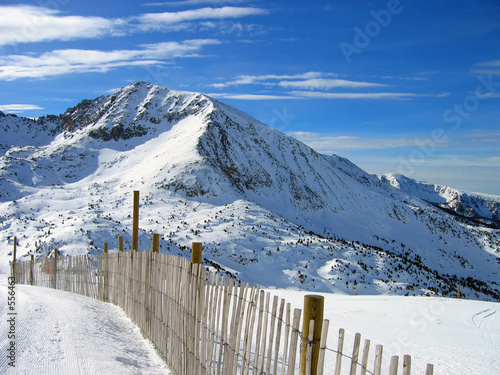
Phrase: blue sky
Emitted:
{"points": [[404, 86]]}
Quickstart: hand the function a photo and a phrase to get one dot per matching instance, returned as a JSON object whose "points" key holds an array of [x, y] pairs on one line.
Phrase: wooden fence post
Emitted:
{"points": [[105, 247], [155, 245], [13, 268], [340, 348], [378, 360], [196, 252], [313, 310], [355, 353], [135, 223], [55, 268], [32, 264], [120, 243], [458, 292], [393, 369], [15, 250], [406, 365]]}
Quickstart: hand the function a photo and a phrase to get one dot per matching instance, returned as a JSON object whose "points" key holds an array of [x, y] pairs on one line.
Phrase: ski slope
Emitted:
{"points": [[63, 333]]}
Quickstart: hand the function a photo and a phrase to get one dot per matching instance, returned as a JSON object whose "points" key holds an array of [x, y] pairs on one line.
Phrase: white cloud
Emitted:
{"points": [[250, 96], [355, 95], [317, 81], [80, 61], [267, 79], [25, 24], [488, 68], [196, 2], [199, 14], [29, 24], [12, 108], [494, 63], [329, 144], [326, 84]]}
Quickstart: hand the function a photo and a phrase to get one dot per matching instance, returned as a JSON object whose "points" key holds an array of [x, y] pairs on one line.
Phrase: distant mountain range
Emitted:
{"points": [[269, 209]]}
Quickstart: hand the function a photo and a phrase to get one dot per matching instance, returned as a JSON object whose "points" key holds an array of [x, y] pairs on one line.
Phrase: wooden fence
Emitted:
{"points": [[202, 322]]}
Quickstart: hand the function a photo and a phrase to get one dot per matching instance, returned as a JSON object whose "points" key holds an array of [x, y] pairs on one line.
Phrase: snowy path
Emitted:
{"points": [[64, 333]]}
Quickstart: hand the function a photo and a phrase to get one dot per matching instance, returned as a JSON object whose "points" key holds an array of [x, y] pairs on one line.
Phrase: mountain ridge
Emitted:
{"points": [[263, 194]]}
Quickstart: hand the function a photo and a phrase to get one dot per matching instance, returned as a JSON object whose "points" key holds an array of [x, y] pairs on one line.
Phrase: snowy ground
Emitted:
{"points": [[63, 333], [456, 336]]}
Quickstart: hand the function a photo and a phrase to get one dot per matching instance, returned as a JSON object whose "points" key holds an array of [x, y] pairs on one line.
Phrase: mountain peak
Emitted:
{"points": [[248, 191]]}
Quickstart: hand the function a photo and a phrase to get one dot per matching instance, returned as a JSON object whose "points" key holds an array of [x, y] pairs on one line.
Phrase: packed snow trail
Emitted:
{"points": [[65, 333]]}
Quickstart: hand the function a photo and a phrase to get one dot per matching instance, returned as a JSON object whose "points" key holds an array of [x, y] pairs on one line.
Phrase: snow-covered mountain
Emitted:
{"points": [[485, 209], [267, 208]]}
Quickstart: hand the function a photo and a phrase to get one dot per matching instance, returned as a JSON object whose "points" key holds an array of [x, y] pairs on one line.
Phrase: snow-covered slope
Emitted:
{"points": [[477, 207], [267, 207]]}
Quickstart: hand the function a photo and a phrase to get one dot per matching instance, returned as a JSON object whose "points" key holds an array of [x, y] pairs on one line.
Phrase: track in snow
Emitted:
{"points": [[64, 333]]}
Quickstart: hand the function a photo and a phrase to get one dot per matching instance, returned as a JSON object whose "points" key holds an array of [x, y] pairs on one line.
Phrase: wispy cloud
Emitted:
{"points": [[199, 14], [330, 144], [26, 24], [195, 2], [309, 82], [365, 95], [488, 68], [326, 84], [251, 96], [483, 136], [268, 79], [29, 24], [14, 108], [355, 95], [66, 61]]}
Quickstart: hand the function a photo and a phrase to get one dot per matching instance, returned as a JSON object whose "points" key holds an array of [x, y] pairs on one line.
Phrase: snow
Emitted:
{"points": [[456, 336], [64, 333], [208, 172], [267, 208]]}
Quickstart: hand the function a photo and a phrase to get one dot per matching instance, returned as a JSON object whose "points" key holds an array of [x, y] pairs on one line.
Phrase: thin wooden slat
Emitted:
{"points": [[264, 329], [225, 313], [271, 334], [287, 337], [205, 308], [406, 365], [355, 353], [214, 324], [294, 340], [278, 336], [259, 332], [340, 348], [393, 369], [364, 359], [322, 346], [236, 342], [309, 350], [429, 370], [378, 360], [249, 327]]}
